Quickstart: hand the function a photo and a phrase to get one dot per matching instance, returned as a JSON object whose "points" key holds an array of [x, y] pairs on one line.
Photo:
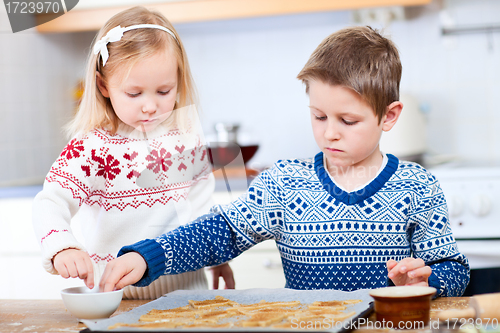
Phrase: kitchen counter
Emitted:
{"points": [[52, 316]]}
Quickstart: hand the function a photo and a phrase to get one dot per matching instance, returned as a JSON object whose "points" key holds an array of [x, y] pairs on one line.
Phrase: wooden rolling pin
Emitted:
{"points": [[484, 306]]}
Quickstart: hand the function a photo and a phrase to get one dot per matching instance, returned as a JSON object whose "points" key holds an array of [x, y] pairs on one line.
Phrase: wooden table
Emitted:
{"points": [[46, 315], [51, 315]]}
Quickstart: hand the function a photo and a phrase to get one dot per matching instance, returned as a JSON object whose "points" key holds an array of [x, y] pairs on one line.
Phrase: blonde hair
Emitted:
{"points": [[361, 59], [96, 111]]}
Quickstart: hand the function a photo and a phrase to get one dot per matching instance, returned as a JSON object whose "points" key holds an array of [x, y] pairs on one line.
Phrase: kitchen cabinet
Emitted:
{"points": [[20, 256], [259, 267], [91, 18]]}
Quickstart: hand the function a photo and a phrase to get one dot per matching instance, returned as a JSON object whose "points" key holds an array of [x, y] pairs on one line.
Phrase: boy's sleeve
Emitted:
{"points": [[206, 241], [432, 240], [258, 215], [214, 238]]}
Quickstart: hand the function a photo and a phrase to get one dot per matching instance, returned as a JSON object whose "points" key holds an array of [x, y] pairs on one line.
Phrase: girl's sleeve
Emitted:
{"points": [[432, 240], [64, 190]]}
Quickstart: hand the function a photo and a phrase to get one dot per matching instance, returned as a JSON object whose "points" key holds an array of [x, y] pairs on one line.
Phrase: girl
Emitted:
{"points": [[136, 166]]}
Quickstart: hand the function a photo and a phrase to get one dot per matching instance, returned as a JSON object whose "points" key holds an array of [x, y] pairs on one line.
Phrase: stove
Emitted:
{"points": [[473, 196]]}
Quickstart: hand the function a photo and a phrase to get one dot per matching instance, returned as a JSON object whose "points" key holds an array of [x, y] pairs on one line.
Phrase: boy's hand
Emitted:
{"points": [[123, 271], [76, 264], [226, 273], [409, 272]]}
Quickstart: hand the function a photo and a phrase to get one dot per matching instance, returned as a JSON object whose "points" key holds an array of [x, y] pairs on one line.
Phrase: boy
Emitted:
{"points": [[350, 218]]}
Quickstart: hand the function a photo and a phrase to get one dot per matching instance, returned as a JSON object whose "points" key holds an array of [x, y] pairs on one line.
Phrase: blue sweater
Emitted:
{"points": [[327, 238]]}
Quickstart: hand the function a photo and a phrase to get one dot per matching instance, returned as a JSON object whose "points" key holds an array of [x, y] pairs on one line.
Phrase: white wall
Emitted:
{"points": [[456, 77], [37, 76], [245, 72]]}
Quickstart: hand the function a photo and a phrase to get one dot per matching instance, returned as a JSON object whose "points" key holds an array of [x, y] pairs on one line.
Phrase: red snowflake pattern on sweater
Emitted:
{"points": [[74, 149], [159, 160], [108, 167], [102, 169]]}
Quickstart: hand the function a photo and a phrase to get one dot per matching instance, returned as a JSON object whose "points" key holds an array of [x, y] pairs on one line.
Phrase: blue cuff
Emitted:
{"points": [[433, 281], [153, 254]]}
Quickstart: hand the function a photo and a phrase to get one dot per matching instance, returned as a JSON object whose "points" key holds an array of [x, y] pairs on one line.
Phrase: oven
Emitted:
{"points": [[473, 197]]}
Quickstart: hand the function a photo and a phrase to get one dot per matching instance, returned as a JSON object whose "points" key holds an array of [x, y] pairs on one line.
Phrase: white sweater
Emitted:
{"points": [[124, 188]]}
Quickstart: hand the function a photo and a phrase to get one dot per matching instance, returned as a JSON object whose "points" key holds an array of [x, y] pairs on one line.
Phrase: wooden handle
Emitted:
{"points": [[487, 305], [484, 306], [456, 313]]}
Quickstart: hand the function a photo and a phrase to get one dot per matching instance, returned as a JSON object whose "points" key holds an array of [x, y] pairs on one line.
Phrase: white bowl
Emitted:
{"points": [[87, 303]]}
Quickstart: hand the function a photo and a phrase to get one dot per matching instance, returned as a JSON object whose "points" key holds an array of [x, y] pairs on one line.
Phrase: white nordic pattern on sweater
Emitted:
{"points": [[327, 238], [331, 239]]}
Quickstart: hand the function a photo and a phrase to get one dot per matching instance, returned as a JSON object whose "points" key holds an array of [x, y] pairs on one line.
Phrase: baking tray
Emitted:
{"points": [[247, 296]]}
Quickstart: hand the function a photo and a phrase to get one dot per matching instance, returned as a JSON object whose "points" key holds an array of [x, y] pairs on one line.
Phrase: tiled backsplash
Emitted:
{"points": [[245, 72]]}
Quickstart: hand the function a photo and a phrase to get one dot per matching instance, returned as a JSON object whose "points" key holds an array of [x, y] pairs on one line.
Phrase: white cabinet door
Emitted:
{"points": [[23, 276], [259, 267]]}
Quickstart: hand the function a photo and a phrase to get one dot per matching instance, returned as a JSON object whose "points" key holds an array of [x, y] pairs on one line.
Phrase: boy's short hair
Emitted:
{"points": [[359, 58]]}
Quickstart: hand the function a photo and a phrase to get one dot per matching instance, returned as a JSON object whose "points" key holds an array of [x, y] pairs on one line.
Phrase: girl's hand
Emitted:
{"points": [[226, 273], [409, 272], [76, 264], [123, 271]]}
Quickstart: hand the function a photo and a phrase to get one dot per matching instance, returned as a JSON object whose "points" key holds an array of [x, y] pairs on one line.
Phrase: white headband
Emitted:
{"points": [[116, 34]]}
